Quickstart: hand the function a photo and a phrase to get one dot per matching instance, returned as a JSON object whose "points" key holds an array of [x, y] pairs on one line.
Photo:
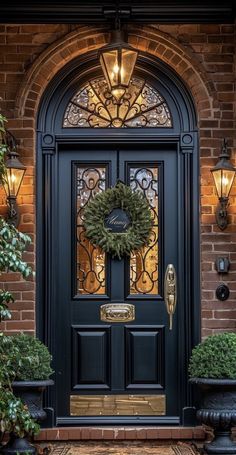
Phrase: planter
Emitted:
{"points": [[31, 393], [218, 411], [17, 446]]}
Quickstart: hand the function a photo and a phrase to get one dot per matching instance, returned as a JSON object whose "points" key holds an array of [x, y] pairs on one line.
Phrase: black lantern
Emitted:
{"points": [[223, 174], [15, 172], [118, 60]]}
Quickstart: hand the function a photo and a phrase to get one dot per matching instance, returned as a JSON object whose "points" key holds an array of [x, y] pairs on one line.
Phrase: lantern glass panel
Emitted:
{"points": [[223, 181], [109, 63], [14, 179], [128, 60]]}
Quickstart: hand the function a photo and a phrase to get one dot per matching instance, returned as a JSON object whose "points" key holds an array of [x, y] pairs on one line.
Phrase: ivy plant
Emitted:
{"points": [[12, 242], [214, 358], [14, 415]]}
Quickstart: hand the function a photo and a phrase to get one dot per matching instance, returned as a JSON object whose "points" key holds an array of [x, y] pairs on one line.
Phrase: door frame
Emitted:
{"points": [[49, 143]]}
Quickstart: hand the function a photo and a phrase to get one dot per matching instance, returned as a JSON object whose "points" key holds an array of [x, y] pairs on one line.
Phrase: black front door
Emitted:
{"points": [[106, 367]]}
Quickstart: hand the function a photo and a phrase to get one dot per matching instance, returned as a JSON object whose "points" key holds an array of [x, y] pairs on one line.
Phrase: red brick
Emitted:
{"points": [[20, 325], [96, 433], [119, 433], [108, 433], [85, 433], [141, 433], [130, 433], [27, 315], [74, 433]]}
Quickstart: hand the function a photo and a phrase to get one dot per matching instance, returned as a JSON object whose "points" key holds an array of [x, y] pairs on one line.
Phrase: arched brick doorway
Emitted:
{"points": [[63, 153]]}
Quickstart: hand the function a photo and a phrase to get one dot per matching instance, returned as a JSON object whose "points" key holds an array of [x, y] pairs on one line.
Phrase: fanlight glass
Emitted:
{"points": [[93, 106]]}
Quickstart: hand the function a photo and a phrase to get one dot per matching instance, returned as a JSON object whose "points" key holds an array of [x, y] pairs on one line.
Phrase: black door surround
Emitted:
{"points": [[52, 139]]}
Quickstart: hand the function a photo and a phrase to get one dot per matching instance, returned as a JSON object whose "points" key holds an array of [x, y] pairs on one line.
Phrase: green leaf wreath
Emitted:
{"points": [[137, 208]]}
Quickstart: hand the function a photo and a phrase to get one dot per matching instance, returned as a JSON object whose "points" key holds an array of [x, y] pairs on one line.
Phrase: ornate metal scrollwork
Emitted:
{"points": [[90, 259], [144, 262], [93, 106]]}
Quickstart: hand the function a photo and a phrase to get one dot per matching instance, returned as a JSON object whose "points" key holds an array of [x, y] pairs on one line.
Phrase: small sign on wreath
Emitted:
{"points": [[118, 220]]}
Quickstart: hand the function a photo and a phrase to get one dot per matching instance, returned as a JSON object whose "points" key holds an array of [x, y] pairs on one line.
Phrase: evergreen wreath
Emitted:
{"points": [[136, 207]]}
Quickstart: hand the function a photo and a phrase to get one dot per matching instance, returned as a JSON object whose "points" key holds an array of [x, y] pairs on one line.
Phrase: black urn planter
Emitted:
{"points": [[218, 411], [17, 446], [31, 393]]}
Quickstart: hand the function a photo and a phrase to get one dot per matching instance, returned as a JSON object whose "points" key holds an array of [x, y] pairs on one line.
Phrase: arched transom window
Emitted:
{"points": [[93, 106]]}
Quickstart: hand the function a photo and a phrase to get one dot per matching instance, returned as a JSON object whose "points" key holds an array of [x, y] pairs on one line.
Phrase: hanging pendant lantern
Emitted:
{"points": [[118, 61]]}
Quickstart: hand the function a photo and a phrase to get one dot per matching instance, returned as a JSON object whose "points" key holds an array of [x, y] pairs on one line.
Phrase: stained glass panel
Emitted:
{"points": [[93, 106], [90, 260], [144, 262]]}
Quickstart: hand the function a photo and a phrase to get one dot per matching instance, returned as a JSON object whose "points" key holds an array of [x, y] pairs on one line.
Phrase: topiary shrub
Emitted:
{"points": [[214, 358], [28, 358]]}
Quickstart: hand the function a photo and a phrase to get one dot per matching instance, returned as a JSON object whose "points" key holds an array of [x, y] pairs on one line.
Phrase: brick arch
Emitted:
{"points": [[144, 38]]}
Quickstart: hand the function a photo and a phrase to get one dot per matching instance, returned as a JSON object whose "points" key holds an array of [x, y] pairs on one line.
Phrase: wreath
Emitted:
{"points": [[101, 211]]}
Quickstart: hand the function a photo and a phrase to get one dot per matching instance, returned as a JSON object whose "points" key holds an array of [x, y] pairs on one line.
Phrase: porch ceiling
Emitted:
{"points": [[162, 11]]}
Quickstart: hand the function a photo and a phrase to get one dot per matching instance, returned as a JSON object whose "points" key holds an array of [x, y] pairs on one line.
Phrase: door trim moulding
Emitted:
{"points": [[186, 145]]}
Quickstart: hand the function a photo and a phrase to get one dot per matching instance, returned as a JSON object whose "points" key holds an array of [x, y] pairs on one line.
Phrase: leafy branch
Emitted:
{"points": [[14, 415]]}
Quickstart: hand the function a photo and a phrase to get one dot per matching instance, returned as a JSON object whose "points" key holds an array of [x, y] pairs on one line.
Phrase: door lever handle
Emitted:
{"points": [[170, 292]]}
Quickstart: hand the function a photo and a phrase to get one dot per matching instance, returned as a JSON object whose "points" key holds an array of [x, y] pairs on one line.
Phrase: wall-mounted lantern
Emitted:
{"points": [[118, 60], [14, 177], [223, 174]]}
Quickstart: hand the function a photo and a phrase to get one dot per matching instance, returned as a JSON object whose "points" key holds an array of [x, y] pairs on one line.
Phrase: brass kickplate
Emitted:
{"points": [[117, 312], [112, 405]]}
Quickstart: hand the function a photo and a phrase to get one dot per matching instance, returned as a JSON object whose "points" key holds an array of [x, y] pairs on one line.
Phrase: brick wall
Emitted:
{"points": [[203, 55]]}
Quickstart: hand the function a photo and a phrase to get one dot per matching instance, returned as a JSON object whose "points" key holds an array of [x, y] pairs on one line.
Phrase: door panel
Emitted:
{"points": [[91, 357], [144, 357], [118, 358]]}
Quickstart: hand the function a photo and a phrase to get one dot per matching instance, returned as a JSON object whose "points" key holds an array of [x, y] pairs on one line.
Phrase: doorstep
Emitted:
{"points": [[121, 433]]}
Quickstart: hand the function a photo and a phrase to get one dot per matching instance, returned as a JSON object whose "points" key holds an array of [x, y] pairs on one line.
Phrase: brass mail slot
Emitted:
{"points": [[117, 312], [123, 405]]}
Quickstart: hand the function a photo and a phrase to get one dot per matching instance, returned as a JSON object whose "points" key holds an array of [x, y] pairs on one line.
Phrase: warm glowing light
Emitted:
{"points": [[225, 181], [13, 178], [116, 69]]}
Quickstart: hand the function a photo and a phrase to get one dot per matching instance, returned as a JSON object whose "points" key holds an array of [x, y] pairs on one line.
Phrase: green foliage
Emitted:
{"points": [[7, 373], [12, 242], [136, 206], [215, 357], [5, 299], [27, 357], [12, 245], [14, 416], [3, 148]]}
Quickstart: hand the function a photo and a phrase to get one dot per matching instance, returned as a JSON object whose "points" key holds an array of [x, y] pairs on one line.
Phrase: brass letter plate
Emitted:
{"points": [[117, 312]]}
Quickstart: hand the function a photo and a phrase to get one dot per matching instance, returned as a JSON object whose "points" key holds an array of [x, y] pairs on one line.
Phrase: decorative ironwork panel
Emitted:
{"points": [[90, 260], [93, 106], [144, 262]]}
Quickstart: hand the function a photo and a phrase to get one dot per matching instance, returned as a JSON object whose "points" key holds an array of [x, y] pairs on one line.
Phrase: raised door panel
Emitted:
{"points": [[91, 357], [144, 357]]}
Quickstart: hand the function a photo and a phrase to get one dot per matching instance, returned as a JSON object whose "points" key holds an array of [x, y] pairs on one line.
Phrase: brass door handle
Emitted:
{"points": [[170, 292]]}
